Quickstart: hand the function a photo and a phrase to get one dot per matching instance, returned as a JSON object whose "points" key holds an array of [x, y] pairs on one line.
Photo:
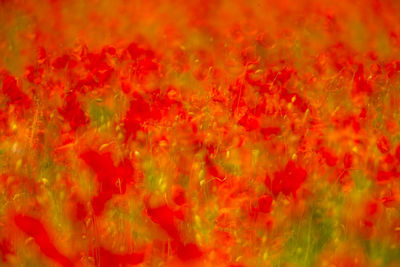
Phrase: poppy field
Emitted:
{"points": [[200, 133]]}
